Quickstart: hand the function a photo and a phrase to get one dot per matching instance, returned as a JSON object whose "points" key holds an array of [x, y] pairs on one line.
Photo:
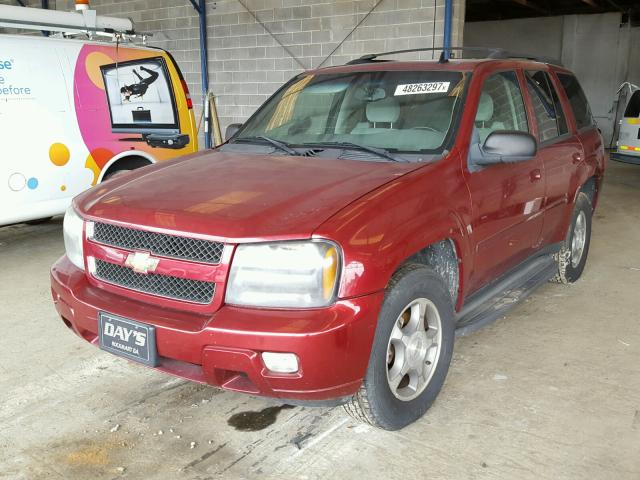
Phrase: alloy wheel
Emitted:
{"points": [[413, 349], [579, 239]]}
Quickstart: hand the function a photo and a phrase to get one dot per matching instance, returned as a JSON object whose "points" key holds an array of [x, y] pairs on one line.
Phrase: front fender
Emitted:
{"points": [[381, 230]]}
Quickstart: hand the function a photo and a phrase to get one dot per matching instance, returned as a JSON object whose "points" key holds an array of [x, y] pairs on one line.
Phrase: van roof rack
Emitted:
{"points": [[85, 22], [481, 52]]}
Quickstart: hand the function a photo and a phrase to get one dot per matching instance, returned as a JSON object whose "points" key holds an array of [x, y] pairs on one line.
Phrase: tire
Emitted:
{"points": [[377, 403], [38, 221], [571, 260], [115, 173]]}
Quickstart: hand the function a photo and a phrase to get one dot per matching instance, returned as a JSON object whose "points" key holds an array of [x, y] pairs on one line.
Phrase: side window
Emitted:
{"points": [[560, 116], [546, 105], [577, 99], [501, 105]]}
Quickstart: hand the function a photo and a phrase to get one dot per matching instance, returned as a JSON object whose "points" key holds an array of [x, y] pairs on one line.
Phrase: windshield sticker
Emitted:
{"points": [[419, 88]]}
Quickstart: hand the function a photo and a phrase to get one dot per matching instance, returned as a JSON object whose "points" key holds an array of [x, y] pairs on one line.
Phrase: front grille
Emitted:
{"points": [[160, 244], [177, 288]]}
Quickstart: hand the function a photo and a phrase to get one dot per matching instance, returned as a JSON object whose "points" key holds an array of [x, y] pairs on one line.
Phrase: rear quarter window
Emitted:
{"points": [[577, 99]]}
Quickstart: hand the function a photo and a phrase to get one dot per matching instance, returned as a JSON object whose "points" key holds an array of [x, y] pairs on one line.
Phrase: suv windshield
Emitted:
{"points": [[396, 111]]}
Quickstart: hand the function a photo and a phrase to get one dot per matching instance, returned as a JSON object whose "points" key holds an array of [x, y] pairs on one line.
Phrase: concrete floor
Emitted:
{"points": [[550, 392]]}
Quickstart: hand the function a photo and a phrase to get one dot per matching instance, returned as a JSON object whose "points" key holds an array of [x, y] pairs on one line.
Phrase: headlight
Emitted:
{"points": [[72, 228], [299, 274]]}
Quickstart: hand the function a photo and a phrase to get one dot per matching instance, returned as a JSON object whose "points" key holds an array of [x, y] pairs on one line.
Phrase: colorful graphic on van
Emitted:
{"points": [[97, 65], [55, 117], [59, 154]]}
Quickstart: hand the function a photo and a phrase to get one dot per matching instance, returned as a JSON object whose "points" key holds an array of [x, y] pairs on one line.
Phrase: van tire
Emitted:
{"points": [[376, 403], [115, 173], [38, 221], [124, 165], [570, 268]]}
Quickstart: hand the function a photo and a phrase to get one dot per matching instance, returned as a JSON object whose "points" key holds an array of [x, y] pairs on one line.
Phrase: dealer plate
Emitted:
{"points": [[128, 338], [420, 88]]}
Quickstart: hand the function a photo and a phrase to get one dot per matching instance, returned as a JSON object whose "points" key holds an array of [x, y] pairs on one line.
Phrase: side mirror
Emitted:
{"points": [[504, 146], [231, 131]]}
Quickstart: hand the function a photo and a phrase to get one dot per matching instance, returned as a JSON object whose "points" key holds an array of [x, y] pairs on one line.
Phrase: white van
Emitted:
{"points": [[73, 113], [629, 134]]}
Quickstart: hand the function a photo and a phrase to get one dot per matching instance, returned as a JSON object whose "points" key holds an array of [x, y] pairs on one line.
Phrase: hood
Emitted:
{"points": [[231, 196]]}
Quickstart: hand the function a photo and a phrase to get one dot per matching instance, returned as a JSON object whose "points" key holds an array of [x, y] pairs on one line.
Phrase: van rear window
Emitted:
{"points": [[633, 107], [141, 97]]}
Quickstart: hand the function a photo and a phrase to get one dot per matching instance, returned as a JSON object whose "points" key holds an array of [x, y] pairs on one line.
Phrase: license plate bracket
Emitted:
{"points": [[127, 338]]}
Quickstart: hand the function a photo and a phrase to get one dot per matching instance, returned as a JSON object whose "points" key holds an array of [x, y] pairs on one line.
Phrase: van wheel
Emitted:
{"points": [[115, 173], [572, 256], [411, 351], [38, 221], [125, 165]]}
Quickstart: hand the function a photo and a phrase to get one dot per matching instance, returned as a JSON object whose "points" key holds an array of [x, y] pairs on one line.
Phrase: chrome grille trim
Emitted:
{"points": [[166, 286], [159, 244]]}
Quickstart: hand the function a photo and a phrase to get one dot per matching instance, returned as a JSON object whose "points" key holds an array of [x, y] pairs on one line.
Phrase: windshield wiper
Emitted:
{"points": [[276, 143], [380, 152]]}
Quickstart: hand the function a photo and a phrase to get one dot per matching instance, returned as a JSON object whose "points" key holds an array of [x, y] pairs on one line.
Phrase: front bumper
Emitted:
{"points": [[333, 344]]}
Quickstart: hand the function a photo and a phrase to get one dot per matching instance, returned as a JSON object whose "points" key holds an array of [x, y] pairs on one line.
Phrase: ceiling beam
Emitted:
{"points": [[591, 3], [618, 7], [531, 5]]}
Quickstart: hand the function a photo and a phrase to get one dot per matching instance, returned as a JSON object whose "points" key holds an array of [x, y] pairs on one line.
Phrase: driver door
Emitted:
{"points": [[507, 199]]}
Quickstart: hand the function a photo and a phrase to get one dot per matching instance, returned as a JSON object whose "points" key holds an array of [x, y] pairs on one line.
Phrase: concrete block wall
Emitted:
{"points": [[28, 3], [256, 45]]}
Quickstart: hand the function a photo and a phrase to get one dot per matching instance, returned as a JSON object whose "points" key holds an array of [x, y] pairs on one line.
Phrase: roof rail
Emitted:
{"points": [[485, 52], [85, 22]]}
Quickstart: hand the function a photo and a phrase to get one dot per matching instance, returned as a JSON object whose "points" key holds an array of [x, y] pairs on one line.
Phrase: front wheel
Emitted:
{"points": [[572, 256], [411, 351]]}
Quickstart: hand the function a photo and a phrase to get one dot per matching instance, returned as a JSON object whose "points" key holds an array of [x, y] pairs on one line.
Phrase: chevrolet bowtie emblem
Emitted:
{"points": [[142, 262]]}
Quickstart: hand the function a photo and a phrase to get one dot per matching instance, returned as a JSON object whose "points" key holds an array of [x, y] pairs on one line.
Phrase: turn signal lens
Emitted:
{"points": [[329, 273], [187, 95]]}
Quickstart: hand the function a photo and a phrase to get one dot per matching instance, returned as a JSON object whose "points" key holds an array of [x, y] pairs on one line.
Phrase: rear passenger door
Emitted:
{"points": [[587, 130], [506, 198], [558, 148]]}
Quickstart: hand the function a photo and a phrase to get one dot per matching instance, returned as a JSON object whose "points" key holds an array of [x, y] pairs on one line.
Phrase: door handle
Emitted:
{"points": [[576, 158], [536, 175]]}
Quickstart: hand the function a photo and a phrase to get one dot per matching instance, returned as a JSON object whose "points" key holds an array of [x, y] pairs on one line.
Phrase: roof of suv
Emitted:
{"points": [[371, 62], [453, 65]]}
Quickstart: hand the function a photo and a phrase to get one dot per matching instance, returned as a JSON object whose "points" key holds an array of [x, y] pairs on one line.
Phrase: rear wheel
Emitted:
{"points": [[411, 351], [572, 256]]}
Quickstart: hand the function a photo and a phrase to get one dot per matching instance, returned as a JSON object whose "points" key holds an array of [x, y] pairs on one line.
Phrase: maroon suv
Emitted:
{"points": [[330, 251]]}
